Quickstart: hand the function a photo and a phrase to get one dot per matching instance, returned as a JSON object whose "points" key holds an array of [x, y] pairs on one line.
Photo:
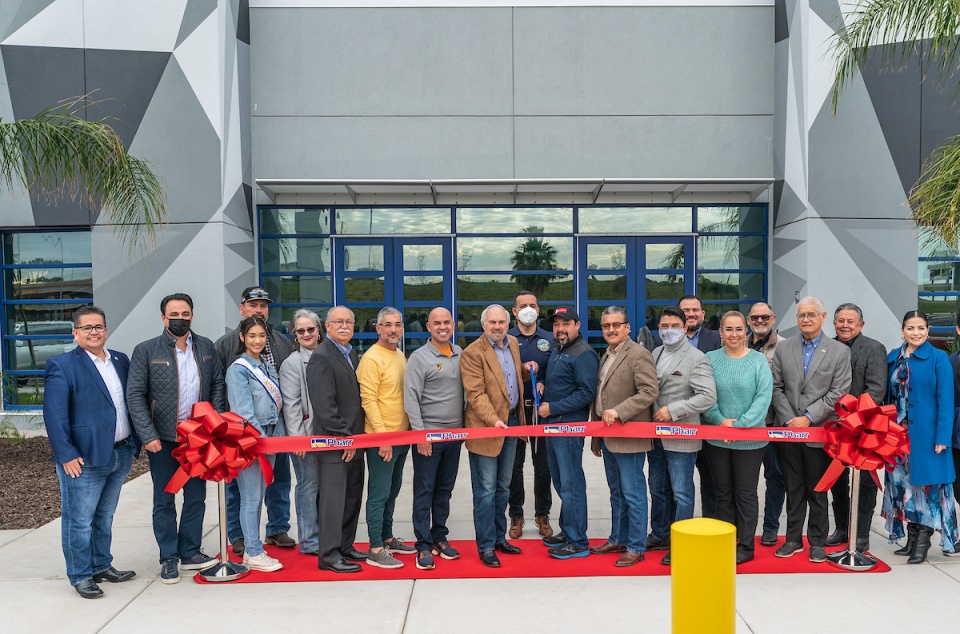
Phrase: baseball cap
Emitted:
{"points": [[255, 293], [566, 312]]}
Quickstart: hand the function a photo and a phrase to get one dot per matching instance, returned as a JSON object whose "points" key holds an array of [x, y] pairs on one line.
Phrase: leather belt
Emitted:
{"points": [[121, 443]]}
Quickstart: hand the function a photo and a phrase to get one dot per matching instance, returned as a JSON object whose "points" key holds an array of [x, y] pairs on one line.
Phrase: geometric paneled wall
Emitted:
{"points": [[842, 227], [173, 77]]}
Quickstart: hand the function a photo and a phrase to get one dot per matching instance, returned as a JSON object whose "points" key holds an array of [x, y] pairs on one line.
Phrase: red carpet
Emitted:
{"points": [[532, 563]]}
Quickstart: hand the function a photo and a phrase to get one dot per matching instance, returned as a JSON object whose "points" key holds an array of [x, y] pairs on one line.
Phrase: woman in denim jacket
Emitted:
{"points": [[254, 388]]}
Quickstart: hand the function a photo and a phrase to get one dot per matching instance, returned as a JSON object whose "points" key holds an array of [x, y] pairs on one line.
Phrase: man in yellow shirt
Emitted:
{"points": [[380, 374]]}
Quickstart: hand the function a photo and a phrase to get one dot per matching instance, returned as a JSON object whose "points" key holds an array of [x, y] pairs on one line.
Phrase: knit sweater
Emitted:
{"points": [[380, 374], [744, 390]]}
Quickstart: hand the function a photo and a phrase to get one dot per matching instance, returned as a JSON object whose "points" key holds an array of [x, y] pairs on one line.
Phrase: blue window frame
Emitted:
{"points": [[46, 275]]}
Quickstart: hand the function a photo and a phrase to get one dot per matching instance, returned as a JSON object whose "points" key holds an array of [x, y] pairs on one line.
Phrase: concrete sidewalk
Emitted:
{"points": [[35, 596]]}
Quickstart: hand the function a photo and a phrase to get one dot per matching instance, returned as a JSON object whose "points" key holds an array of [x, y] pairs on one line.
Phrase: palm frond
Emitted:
{"points": [[935, 198], [897, 27], [59, 154]]}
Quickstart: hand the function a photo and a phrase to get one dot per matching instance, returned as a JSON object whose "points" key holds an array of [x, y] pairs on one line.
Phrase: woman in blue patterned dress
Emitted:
{"points": [[919, 490]]}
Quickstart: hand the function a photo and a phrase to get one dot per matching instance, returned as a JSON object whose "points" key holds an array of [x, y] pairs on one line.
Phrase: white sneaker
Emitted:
{"points": [[262, 562]]}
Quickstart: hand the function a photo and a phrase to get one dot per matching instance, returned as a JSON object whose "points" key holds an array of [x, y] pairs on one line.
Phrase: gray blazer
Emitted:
{"points": [[687, 389], [297, 411], [630, 387], [827, 380], [335, 395], [868, 366]]}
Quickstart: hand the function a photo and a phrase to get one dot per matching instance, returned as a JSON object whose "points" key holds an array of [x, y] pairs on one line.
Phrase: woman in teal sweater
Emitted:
{"points": [[744, 388]]}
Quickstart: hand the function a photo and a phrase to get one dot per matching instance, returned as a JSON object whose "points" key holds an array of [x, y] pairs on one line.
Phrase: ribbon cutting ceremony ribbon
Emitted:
{"points": [[216, 447], [593, 428], [866, 437]]}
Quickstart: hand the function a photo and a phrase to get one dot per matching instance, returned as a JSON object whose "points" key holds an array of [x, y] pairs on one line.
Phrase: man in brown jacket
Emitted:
{"points": [[493, 386], [627, 387]]}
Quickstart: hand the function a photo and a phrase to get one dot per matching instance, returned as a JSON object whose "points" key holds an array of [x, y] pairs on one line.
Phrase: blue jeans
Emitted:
{"points": [[566, 468], [176, 542], [628, 499], [490, 478], [252, 490], [776, 490], [87, 505], [383, 487], [306, 496], [277, 499], [434, 477], [675, 468]]}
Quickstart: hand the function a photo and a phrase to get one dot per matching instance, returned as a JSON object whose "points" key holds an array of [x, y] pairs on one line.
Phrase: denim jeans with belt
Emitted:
{"points": [[87, 505], [673, 468], [490, 479], [566, 469], [628, 499]]}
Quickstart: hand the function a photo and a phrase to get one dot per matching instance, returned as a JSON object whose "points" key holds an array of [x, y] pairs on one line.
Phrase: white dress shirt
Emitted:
{"points": [[112, 380]]}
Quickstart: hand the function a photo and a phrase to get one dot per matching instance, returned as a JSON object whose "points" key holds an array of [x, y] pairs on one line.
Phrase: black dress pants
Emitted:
{"points": [[803, 466]]}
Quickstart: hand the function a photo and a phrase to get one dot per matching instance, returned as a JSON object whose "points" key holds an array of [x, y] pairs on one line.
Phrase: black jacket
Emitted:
{"points": [[334, 395], [153, 385]]}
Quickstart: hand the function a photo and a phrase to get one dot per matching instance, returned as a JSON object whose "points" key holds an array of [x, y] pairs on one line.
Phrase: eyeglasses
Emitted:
{"points": [[303, 331], [88, 329], [341, 322], [810, 316], [616, 325], [760, 317]]}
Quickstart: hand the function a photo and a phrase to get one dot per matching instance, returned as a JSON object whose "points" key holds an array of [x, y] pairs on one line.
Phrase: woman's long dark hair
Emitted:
{"points": [[245, 327]]}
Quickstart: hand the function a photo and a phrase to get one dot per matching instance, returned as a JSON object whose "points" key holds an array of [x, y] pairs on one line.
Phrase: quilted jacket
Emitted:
{"points": [[153, 384]]}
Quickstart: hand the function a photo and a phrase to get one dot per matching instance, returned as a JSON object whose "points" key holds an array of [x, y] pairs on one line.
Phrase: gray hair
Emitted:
{"points": [[333, 308], [388, 310], [303, 313], [849, 306], [816, 301], [483, 315], [613, 310]]}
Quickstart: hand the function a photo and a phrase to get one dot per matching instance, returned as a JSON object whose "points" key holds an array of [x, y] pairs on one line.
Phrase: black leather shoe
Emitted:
{"points": [[352, 554], [837, 537], [666, 559], [863, 544], [655, 543], [340, 566], [88, 589], [489, 559], [507, 548], [113, 575]]}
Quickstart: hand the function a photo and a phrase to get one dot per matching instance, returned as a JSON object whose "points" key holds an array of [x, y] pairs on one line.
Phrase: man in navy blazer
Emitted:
{"points": [[93, 446]]}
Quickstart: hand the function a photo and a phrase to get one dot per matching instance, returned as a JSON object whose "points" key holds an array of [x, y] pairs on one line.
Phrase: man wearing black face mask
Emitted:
{"points": [[168, 374]]}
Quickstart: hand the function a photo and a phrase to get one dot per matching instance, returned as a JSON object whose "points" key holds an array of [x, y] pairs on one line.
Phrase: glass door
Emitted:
{"points": [[639, 273]]}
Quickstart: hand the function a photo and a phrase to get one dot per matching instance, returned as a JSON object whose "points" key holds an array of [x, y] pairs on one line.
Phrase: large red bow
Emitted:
{"points": [[215, 447], [865, 437]]}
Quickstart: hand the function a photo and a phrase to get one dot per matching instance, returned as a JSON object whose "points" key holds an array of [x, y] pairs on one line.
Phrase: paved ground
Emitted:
{"points": [[35, 596]]}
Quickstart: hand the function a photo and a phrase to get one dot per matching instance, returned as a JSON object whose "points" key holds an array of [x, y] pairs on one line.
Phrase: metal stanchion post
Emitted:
{"points": [[850, 559], [226, 570]]}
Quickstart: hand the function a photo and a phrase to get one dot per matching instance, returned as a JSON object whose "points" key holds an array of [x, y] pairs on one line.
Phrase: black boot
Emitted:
{"points": [[923, 545], [911, 545]]}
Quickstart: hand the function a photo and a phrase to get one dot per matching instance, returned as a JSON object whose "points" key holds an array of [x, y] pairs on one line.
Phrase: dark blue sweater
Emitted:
{"points": [[571, 381]]}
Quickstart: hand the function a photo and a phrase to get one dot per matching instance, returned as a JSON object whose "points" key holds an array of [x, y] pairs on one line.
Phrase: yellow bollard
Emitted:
{"points": [[703, 575]]}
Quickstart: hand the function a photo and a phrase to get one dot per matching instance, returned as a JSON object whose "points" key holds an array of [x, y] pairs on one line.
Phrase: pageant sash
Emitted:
{"points": [[272, 388]]}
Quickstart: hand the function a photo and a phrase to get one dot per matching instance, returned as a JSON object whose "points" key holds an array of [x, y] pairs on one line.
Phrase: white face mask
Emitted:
{"points": [[672, 336], [527, 316]]}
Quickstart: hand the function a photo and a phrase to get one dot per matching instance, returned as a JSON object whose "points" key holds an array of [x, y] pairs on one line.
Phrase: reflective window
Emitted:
{"points": [[713, 286], [731, 252], [300, 289], [422, 257], [515, 253], [667, 287], [363, 289], [366, 257], [46, 275], [731, 219], [514, 220], [636, 219], [715, 311], [306, 255], [611, 257], [412, 220], [666, 255], [491, 288], [294, 221]]}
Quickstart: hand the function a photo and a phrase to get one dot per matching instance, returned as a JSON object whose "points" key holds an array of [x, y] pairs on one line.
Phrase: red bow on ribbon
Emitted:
{"points": [[215, 447], [865, 437]]}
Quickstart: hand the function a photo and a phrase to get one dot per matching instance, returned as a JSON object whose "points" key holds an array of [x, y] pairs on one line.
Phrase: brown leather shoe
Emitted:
{"points": [[607, 548], [516, 527], [280, 539], [628, 559], [543, 523]]}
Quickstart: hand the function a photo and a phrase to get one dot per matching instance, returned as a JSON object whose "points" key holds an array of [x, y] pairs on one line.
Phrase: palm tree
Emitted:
{"points": [[534, 254], [60, 154], [902, 27]]}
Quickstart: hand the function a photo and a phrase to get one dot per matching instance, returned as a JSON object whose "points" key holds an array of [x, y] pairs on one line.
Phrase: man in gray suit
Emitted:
{"points": [[626, 390], [335, 395], [686, 390], [868, 364], [810, 373]]}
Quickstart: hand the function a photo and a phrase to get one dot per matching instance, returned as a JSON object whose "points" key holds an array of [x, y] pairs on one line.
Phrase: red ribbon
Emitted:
{"points": [[215, 447], [866, 437]]}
